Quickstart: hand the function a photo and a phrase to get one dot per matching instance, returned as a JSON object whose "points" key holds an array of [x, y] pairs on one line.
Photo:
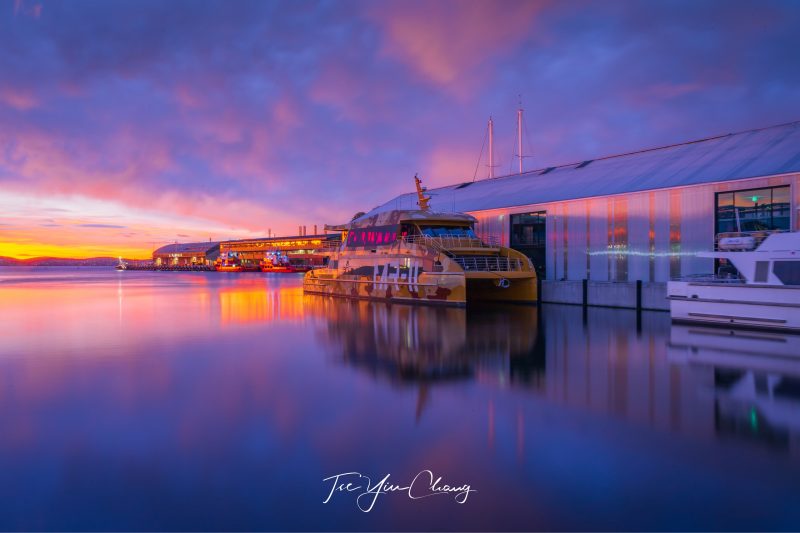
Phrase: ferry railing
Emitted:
{"points": [[711, 278], [488, 263], [446, 242]]}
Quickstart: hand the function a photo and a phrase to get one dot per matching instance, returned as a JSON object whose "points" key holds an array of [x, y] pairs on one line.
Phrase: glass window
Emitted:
{"points": [[528, 229], [529, 236], [726, 220], [766, 209], [448, 231], [787, 271], [762, 268], [781, 207]]}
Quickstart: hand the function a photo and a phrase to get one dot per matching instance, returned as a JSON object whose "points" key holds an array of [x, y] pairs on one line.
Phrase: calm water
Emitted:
{"points": [[195, 401]]}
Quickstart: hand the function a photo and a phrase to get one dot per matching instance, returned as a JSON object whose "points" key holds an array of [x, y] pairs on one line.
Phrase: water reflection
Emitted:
{"points": [[425, 345], [409, 343], [752, 378], [705, 382], [253, 300], [197, 401]]}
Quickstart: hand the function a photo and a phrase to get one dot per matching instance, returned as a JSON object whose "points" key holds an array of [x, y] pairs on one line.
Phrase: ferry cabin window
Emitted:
{"points": [[787, 271], [408, 230], [766, 209], [448, 231]]}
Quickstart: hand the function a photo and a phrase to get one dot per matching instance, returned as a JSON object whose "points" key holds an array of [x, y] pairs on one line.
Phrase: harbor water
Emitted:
{"points": [[209, 401]]}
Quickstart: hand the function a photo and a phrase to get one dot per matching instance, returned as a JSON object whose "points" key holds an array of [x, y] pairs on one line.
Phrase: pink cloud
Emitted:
{"points": [[453, 42], [128, 175], [18, 99], [22, 7], [447, 165]]}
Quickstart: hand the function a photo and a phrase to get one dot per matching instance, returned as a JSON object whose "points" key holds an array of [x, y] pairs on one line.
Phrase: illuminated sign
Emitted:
{"points": [[374, 236]]}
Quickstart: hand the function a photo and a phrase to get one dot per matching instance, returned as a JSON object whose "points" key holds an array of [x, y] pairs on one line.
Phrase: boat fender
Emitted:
{"points": [[503, 283]]}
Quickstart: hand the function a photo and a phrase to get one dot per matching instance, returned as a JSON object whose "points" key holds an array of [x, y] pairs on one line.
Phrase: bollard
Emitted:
{"points": [[585, 292], [638, 295], [638, 307]]}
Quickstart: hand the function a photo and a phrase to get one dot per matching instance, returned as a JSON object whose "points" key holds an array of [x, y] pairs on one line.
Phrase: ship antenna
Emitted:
{"points": [[422, 200], [519, 134]]}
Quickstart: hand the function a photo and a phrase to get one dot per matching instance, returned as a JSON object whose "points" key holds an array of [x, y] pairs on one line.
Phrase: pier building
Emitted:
{"points": [[186, 254], [301, 249], [639, 216]]}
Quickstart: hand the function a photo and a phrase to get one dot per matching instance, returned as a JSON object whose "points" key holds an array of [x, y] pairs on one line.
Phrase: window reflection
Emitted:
{"points": [[764, 209]]}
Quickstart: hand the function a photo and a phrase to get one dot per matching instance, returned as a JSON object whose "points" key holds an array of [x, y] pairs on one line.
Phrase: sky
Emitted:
{"points": [[127, 125]]}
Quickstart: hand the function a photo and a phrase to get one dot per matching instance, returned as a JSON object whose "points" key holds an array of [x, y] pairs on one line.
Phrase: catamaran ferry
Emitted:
{"points": [[420, 256]]}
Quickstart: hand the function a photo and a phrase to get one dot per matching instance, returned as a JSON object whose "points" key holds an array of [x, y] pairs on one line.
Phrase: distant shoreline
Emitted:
{"points": [[62, 261]]}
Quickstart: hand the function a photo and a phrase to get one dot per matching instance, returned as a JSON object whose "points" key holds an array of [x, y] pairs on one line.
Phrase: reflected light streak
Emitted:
{"points": [[636, 253], [254, 303]]}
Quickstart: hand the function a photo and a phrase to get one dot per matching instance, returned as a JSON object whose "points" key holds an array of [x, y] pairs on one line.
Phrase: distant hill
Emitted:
{"points": [[59, 261]]}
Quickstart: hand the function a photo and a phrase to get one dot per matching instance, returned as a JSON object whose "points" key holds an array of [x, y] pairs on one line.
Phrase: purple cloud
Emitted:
{"points": [[261, 115]]}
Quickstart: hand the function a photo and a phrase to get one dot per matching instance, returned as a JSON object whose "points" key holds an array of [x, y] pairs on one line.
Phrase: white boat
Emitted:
{"points": [[766, 293]]}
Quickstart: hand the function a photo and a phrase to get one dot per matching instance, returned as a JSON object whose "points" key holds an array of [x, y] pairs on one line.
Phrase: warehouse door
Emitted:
{"points": [[529, 236]]}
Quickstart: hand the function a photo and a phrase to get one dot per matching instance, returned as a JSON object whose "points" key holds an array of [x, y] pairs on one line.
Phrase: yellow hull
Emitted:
{"points": [[519, 287]]}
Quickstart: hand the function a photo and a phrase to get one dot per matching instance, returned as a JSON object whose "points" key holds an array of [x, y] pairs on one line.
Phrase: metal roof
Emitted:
{"points": [[749, 154], [187, 248]]}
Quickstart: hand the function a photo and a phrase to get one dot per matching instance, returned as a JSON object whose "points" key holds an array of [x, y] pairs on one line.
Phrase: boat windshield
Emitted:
{"points": [[448, 231]]}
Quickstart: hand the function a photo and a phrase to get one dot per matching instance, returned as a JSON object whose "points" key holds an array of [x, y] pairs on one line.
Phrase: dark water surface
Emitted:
{"points": [[195, 401]]}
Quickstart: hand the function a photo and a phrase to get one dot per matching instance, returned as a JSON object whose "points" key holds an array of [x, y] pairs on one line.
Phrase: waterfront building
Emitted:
{"points": [[638, 216], [187, 254], [301, 249]]}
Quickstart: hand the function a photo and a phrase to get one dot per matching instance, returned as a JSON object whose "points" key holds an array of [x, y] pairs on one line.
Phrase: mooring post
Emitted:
{"points": [[638, 307], [585, 292], [638, 296]]}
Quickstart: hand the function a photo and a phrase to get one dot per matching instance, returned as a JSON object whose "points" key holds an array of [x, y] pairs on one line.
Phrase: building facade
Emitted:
{"points": [[637, 216], [305, 249], [186, 254], [648, 236]]}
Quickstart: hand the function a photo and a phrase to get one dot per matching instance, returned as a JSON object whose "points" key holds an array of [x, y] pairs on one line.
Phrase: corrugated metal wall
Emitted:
{"points": [[648, 236]]}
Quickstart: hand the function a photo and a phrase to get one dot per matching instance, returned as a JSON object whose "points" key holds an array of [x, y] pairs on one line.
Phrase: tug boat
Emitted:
{"points": [[421, 256], [765, 294], [233, 263], [227, 263], [282, 265]]}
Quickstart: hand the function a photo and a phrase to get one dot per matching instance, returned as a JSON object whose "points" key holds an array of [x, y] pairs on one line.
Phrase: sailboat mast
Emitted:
{"points": [[519, 137], [491, 148]]}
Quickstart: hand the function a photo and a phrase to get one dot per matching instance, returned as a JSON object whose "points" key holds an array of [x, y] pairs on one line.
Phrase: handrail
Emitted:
{"points": [[488, 263], [451, 241]]}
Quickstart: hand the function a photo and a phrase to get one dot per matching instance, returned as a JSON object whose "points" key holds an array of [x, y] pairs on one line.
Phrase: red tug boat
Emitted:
{"points": [[231, 263], [280, 264]]}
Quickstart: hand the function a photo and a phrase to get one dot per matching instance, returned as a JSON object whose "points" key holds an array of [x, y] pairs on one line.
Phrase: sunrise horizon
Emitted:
{"points": [[238, 123]]}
